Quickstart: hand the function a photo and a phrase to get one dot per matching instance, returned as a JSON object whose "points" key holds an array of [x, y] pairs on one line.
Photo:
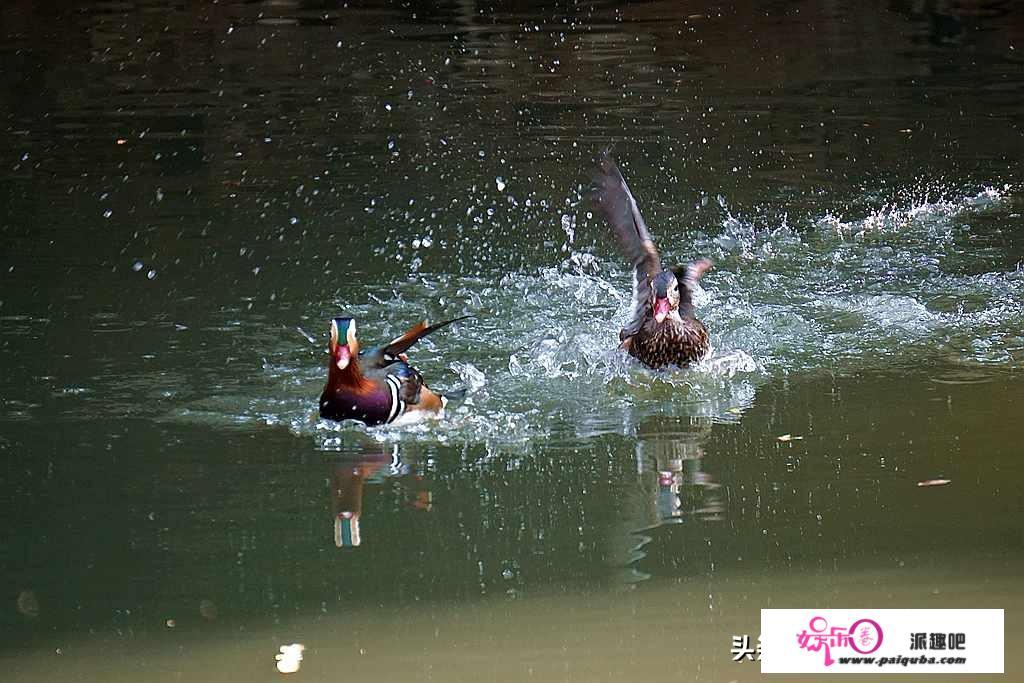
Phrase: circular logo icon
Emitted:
{"points": [[865, 636]]}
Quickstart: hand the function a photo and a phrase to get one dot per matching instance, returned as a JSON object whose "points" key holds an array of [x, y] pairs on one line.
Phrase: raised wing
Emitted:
{"points": [[687, 276], [616, 202], [390, 352]]}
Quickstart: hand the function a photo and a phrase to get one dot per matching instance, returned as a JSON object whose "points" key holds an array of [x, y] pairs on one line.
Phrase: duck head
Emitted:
{"points": [[343, 347], [675, 286], [664, 295]]}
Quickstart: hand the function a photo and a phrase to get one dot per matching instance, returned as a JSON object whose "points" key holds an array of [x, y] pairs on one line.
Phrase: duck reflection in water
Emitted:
{"points": [[670, 450], [348, 479], [671, 487]]}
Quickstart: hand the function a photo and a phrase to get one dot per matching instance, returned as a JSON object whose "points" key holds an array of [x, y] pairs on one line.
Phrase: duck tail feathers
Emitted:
{"points": [[414, 334]]}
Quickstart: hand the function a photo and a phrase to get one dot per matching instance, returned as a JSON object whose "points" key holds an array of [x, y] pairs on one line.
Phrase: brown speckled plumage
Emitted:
{"points": [[678, 338], [673, 342]]}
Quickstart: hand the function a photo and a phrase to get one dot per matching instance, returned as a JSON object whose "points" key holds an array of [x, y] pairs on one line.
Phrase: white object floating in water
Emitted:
{"points": [[789, 437], [290, 659], [934, 482]]}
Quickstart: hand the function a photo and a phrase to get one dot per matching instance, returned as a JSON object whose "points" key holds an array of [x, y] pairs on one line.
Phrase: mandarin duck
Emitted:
{"points": [[377, 386], [662, 328]]}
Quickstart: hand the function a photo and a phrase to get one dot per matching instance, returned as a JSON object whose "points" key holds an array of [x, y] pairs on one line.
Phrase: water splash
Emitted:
{"points": [[540, 358]]}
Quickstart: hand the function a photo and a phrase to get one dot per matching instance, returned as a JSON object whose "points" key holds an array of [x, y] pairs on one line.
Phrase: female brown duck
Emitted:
{"points": [[662, 329]]}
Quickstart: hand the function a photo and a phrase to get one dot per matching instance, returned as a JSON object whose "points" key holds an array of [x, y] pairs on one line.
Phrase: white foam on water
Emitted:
{"points": [[540, 357]]}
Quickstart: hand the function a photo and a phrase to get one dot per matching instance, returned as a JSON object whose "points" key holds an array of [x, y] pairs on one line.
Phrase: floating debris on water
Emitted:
{"points": [[290, 658], [788, 437], [934, 482]]}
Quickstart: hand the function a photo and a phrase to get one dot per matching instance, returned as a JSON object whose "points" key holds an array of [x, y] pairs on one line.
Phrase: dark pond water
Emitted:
{"points": [[190, 192]]}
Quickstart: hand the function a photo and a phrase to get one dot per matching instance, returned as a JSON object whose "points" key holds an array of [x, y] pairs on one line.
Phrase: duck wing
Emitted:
{"points": [[688, 276], [398, 376], [382, 356], [616, 202]]}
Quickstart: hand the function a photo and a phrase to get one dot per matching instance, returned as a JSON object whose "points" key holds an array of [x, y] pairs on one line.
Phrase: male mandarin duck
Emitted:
{"points": [[662, 329], [377, 386]]}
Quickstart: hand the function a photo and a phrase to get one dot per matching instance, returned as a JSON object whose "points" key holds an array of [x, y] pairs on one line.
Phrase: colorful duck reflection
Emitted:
{"points": [[349, 477]]}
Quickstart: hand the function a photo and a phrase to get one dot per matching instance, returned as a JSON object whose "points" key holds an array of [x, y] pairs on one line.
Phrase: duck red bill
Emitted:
{"points": [[661, 309], [342, 356]]}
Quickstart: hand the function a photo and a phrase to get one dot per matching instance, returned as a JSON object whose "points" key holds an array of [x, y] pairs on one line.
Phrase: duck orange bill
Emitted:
{"points": [[661, 309]]}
